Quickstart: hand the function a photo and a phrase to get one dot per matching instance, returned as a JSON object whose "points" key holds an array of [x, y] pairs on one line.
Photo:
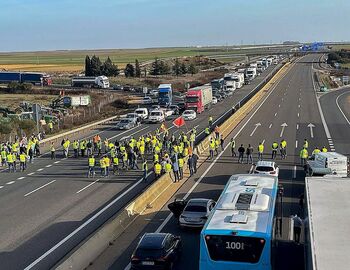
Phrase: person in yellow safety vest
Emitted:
{"points": [[23, 161], [303, 156], [66, 148], [233, 146], [168, 168], [316, 151], [91, 171], [53, 151], [207, 131], [210, 121], [157, 169], [3, 157], [144, 169], [185, 152], [107, 163], [82, 147], [306, 144], [184, 138], [217, 144], [283, 149], [125, 160], [157, 149], [103, 166], [115, 165], [142, 152], [324, 149], [260, 151], [75, 146], [14, 158], [155, 157], [51, 127], [274, 150], [192, 139], [181, 167], [9, 160], [211, 148], [175, 148]]}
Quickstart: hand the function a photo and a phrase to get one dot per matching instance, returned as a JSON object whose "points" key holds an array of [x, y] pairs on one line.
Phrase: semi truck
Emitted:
{"points": [[165, 95], [91, 82], [251, 73], [230, 83], [199, 98], [35, 78], [329, 163], [239, 79], [217, 84]]}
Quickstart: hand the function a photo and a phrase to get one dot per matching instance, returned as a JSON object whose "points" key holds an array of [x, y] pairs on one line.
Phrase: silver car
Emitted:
{"points": [[196, 213], [125, 124]]}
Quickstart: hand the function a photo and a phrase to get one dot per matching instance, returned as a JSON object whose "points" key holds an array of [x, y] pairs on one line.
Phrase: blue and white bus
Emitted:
{"points": [[239, 233]]}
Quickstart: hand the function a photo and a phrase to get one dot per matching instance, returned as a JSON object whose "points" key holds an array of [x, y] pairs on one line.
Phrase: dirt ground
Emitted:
{"points": [[12, 100]]}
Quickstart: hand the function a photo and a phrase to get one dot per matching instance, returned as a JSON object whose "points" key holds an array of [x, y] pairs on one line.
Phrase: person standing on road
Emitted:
{"points": [[195, 160], [222, 142], [181, 166], [260, 151], [306, 144], [76, 148], [190, 165], [168, 167], [10, 162], [210, 121], [211, 148], [283, 149], [23, 161], [91, 171], [157, 169], [207, 131], [51, 127], [176, 171], [107, 164], [53, 151], [233, 145], [145, 169], [297, 224], [316, 151], [241, 152], [324, 149], [303, 156], [249, 153], [274, 150], [115, 165], [103, 167]]}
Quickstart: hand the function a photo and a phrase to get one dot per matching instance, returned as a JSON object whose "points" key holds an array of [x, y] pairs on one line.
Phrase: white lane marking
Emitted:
{"points": [[284, 125], [256, 126], [20, 178], [279, 105], [89, 185], [275, 114], [311, 126], [49, 183], [58, 161], [128, 136], [296, 144], [48, 166], [263, 141], [10, 183], [160, 228], [1, 187], [251, 169], [31, 173], [122, 133], [299, 105], [297, 126], [295, 172], [270, 125], [337, 102], [82, 226], [39, 170], [298, 114]]}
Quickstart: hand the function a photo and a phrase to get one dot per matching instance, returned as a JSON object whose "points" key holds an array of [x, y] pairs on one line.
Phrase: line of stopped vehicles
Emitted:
{"points": [[163, 103]]}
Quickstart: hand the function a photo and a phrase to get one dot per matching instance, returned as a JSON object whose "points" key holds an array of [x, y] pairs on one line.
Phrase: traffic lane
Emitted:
{"points": [[217, 176], [337, 123]]}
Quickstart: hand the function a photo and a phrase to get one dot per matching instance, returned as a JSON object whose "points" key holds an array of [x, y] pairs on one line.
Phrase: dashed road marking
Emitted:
{"points": [[58, 161], [296, 144], [275, 114], [39, 170], [10, 183], [270, 125], [48, 166], [89, 185], [298, 114], [49, 183], [31, 173], [20, 178], [297, 126]]}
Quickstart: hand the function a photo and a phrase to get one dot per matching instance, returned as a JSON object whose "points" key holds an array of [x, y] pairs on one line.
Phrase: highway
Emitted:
{"points": [[51, 207], [286, 112]]}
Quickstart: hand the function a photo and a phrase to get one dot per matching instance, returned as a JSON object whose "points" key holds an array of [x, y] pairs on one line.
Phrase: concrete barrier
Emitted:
{"points": [[155, 196]]}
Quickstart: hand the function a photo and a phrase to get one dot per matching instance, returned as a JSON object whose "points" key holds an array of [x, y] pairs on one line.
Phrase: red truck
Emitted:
{"points": [[199, 98]]}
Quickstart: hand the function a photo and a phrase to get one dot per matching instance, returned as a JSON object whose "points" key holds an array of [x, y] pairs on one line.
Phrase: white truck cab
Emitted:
{"points": [[328, 163], [156, 116]]}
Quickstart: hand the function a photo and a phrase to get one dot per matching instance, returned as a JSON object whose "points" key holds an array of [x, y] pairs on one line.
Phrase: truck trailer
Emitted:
{"points": [[251, 73], [239, 79], [34, 78], [91, 82], [199, 98]]}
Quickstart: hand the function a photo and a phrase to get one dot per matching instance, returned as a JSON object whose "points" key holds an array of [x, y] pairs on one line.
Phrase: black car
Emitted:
{"points": [[118, 87], [156, 251]]}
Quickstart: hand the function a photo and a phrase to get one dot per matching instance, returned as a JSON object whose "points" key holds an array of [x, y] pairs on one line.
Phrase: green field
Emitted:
{"points": [[73, 60]]}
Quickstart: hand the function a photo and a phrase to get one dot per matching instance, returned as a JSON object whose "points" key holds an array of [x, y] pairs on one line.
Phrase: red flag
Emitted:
{"points": [[179, 122]]}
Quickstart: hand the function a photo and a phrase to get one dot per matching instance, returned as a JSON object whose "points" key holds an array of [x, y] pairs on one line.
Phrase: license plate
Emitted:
{"points": [[147, 263]]}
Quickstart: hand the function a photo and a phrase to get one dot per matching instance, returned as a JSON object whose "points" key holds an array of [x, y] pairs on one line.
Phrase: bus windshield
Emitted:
{"points": [[234, 248]]}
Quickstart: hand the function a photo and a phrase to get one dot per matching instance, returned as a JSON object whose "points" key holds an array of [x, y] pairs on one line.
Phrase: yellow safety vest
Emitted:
{"points": [[324, 150], [168, 167], [274, 145], [116, 161], [142, 149], [186, 152], [102, 163], [22, 158], [212, 145], [261, 148], [157, 168], [316, 151], [9, 158], [3, 154], [125, 156], [107, 161], [181, 162], [156, 157], [91, 162]]}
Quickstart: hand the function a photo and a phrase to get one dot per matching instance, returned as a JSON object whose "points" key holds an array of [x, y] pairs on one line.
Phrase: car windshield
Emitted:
{"points": [[264, 169], [188, 112], [149, 253], [139, 111], [124, 121], [195, 208], [156, 113]]}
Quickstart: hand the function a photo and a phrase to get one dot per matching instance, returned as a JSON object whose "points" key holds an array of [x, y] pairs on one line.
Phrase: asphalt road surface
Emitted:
{"points": [[292, 103], [51, 207]]}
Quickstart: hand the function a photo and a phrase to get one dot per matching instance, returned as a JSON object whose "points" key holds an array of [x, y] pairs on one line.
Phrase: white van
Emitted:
{"points": [[328, 163], [142, 113]]}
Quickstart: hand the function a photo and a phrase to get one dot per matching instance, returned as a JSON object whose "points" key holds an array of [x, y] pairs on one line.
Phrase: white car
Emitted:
{"points": [[267, 168], [142, 113], [189, 115], [215, 100], [147, 100]]}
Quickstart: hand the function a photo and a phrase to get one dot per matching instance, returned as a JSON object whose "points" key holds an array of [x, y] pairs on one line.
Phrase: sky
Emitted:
{"points": [[34, 25]]}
